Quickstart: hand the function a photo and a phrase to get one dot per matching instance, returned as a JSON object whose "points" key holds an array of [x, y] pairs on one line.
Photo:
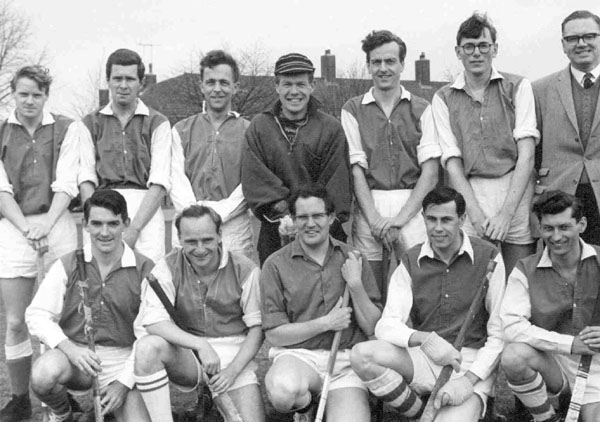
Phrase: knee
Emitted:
{"points": [[516, 358], [46, 372], [15, 323], [282, 390], [149, 354], [362, 359]]}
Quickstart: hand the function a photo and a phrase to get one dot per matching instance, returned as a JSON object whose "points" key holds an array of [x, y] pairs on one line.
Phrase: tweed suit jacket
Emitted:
{"points": [[562, 154]]}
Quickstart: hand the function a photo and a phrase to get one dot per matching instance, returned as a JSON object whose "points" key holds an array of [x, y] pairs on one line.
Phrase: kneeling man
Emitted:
{"points": [[547, 312], [55, 316], [216, 294], [302, 286], [434, 286]]}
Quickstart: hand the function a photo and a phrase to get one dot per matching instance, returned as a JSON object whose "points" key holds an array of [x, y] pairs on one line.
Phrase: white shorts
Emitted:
{"points": [[342, 377], [426, 373], [227, 348], [18, 258], [151, 241], [490, 194], [568, 365], [114, 360], [388, 203]]}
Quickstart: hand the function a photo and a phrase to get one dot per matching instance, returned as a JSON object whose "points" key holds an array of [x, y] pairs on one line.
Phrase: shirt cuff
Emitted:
{"points": [[450, 153], [68, 188], [359, 158], [252, 319], [427, 152], [519, 134]]}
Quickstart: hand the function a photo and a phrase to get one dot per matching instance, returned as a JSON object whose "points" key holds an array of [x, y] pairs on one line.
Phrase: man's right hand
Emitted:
{"points": [[338, 318], [210, 360], [81, 358], [281, 207], [587, 342], [441, 352]]}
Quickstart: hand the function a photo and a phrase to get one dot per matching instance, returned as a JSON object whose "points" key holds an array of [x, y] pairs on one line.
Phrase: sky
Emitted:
{"points": [[79, 35]]}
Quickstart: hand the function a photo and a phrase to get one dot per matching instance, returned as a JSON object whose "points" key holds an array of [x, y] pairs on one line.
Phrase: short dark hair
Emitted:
{"points": [[310, 191], [556, 201], [109, 199], [125, 57], [197, 211], [216, 57], [377, 38], [474, 27], [580, 14], [38, 74], [443, 195]]}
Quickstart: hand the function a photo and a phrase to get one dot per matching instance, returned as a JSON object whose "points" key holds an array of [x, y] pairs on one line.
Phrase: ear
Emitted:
{"points": [[126, 222], [495, 50], [582, 224], [462, 218], [457, 51]]}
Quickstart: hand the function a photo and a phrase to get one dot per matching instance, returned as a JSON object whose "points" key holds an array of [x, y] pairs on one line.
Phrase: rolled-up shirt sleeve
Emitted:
{"points": [[392, 326], [160, 162], [152, 310], [87, 157], [181, 193], [45, 310], [515, 313], [525, 119], [272, 301], [250, 300], [355, 148], [445, 136], [429, 146], [68, 159]]}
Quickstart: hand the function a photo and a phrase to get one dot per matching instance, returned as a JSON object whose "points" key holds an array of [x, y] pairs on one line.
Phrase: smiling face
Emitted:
{"points": [[106, 230], [561, 232], [218, 87], [294, 93], [29, 100], [477, 63], [200, 242], [312, 221], [385, 67], [443, 228], [583, 56], [124, 84]]}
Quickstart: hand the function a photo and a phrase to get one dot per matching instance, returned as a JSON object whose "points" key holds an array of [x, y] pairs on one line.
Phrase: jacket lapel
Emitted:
{"points": [[566, 96]]}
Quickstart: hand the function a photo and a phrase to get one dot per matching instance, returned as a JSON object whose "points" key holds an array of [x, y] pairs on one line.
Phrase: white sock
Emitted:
{"points": [[155, 393]]}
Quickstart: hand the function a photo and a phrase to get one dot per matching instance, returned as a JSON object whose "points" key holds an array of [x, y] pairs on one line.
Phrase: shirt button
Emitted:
{"points": [[447, 270], [446, 295], [102, 302], [125, 152], [33, 141], [574, 305], [34, 161]]}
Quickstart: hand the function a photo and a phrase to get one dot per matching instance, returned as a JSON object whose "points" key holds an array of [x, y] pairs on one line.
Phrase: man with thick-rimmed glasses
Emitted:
{"points": [[569, 120], [487, 130]]}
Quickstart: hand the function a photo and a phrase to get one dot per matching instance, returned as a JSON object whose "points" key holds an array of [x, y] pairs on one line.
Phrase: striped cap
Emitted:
{"points": [[293, 63]]}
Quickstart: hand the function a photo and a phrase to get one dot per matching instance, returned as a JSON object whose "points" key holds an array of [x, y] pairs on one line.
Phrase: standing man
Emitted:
{"points": [[38, 178], [55, 316], [393, 154], [302, 286], [485, 121], [569, 120], [290, 145], [434, 287], [127, 147], [216, 293], [547, 310], [207, 154]]}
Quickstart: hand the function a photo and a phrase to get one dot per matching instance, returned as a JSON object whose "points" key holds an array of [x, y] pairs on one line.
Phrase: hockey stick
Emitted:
{"points": [[429, 412], [331, 363], [39, 265], [585, 361], [82, 284], [223, 400]]}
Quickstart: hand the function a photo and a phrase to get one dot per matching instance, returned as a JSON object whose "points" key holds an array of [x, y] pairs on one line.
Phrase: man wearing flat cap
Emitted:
{"points": [[291, 145]]}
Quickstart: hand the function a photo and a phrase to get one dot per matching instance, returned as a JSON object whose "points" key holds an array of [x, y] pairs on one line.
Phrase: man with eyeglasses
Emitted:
{"points": [[302, 286], [487, 130], [568, 157]]}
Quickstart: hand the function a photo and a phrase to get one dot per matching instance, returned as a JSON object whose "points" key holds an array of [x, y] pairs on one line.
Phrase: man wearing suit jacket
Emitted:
{"points": [[569, 120]]}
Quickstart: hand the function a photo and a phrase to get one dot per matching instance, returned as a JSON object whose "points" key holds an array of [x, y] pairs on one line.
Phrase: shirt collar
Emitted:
{"points": [[141, 109], [578, 74], [461, 81], [369, 98], [224, 257], [231, 113], [127, 259], [465, 247], [47, 118], [587, 251]]}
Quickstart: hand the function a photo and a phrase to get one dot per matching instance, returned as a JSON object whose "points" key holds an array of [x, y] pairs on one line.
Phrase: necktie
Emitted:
{"points": [[587, 80]]}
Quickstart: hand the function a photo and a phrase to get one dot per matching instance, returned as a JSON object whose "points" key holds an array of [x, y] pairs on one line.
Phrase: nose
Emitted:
{"points": [[104, 230], [556, 234], [293, 89], [123, 84], [581, 42]]}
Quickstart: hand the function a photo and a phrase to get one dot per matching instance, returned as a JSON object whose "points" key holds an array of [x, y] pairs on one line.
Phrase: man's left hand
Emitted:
{"points": [[113, 396], [496, 227], [590, 336], [352, 269], [130, 236], [221, 382], [453, 393]]}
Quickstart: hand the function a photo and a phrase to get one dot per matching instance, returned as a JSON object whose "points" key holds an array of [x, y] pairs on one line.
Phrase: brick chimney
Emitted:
{"points": [[328, 66], [422, 74], [150, 78]]}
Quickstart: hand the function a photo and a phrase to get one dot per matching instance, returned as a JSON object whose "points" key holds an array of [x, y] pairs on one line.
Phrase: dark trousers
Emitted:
{"points": [[269, 240], [585, 193]]}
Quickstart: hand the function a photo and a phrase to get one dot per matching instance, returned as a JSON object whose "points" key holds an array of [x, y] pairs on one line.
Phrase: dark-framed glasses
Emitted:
{"points": [[483, 47], [318, 217], [574, 39]]}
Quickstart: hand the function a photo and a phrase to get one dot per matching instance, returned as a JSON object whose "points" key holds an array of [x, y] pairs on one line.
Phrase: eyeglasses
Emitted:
{"points": [[318, 217], [574, 39], [483, 47]]}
